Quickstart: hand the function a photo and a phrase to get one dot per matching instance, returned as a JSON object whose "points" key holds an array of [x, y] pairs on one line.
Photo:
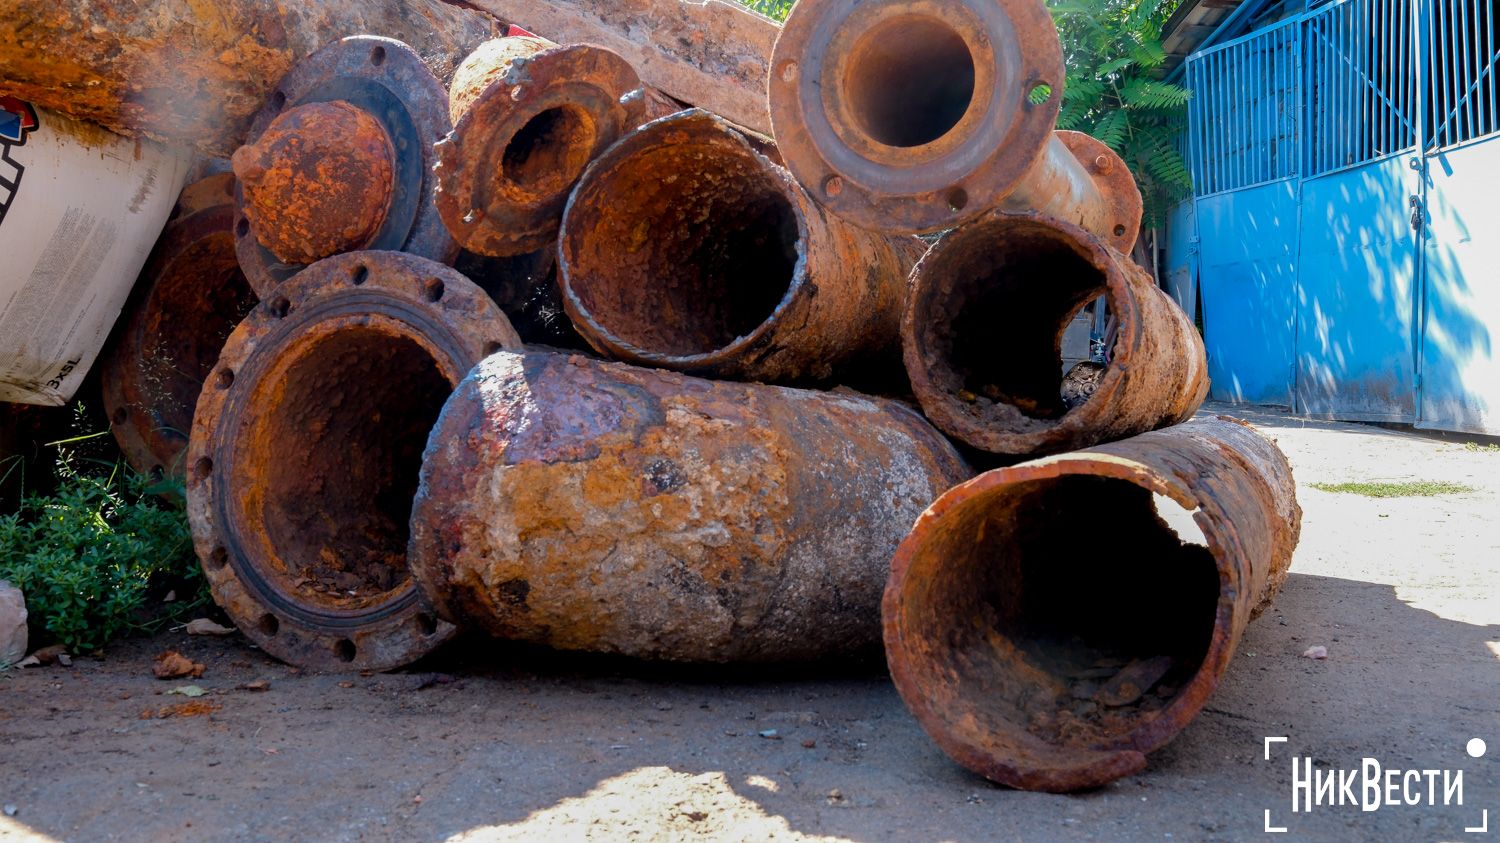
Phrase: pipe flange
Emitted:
{"points": [[914, 116], [306, 443], [387, 81], [523, 139], [1115, 183], [190, 296]]}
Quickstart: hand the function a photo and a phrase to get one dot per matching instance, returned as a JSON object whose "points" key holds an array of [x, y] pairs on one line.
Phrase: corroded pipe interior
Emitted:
{"points": [[335, 464], [700, 249], [1034, 630], [549, 152], [909, 80], [995, 318], [190, 313]]}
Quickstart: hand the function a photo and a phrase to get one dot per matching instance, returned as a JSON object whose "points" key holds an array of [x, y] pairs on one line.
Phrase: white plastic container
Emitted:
{"points": [[80, 209]]}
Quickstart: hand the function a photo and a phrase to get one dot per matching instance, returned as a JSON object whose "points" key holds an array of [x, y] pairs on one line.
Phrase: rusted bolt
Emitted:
{"points": [[1040, 663], [308, 462], [517, 150], [190, 296], [903, 100], [341, 161], [597, 506], [685, 248], [318, 181], [1103, 163], [988, 307]]}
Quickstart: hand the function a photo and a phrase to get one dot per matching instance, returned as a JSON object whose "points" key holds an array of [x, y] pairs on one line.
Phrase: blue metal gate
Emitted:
{"points": [[1341, 159]]}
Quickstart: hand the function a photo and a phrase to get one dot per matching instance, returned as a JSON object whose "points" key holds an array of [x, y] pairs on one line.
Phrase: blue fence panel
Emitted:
{"points": [[1461, 104], [1248, 258], [1244, 111], [1360, 78]]}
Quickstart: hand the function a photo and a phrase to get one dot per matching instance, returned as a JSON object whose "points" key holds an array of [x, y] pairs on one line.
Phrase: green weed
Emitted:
{"points": [[1413, 489], [91, 555]]}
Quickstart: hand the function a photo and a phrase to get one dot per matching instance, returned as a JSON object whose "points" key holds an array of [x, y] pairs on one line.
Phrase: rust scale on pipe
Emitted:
{"points": [[340, 159], [920, 112], [528, 116], [1040, 663], [597, 506], [1079, 179], [305, 449], [685, 248], [317, 182], [982, 337], [189, 72], [189, 298]]}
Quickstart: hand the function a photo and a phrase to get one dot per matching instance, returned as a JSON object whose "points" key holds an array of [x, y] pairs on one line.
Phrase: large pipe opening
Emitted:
{"points": [[333, 465], [994, 312], [1034, 643], [550, 151], [698, 251], [909, 80]]}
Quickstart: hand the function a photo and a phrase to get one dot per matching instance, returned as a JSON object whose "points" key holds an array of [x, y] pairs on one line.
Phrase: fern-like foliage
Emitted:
{"points": [[1113, 91], [773, 9]]}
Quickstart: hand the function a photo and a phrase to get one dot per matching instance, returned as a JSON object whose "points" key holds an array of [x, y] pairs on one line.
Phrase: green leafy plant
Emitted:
{"points": [[774, 9], [93, 554], [1113, 55]]}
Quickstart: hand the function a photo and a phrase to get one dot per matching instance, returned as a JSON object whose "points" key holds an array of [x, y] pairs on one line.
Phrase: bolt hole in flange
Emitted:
{"points": [[1039, 93], [218, 558], [278, 100], [909, 80], [268, 624], [279, 307], [242, 227], [344, 649], [432, 289], [224, 379], [427, 623], [377, 56], [120, 416], [360, 275]]}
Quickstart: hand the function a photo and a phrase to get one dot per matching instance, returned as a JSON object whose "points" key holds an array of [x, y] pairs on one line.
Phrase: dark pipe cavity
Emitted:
{"points": [[700, 256], [347, 438]]}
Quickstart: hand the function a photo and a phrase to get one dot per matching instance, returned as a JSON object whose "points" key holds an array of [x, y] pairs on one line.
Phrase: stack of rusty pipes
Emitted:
{"points": [[377, 459]]}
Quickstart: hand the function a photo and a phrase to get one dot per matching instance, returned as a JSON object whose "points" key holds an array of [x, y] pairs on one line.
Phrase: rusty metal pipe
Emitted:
{"points": [[528, 116], [709, 53], [1042, 663], [305, 448], [340, 159], [915, 116], [1079, 179], [597, 506], [192, 73], [189, 298], [685, 248], [982, 337]]}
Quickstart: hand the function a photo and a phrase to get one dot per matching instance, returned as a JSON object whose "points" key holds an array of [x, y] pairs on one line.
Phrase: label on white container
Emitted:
{"points": [[80, 209]]}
